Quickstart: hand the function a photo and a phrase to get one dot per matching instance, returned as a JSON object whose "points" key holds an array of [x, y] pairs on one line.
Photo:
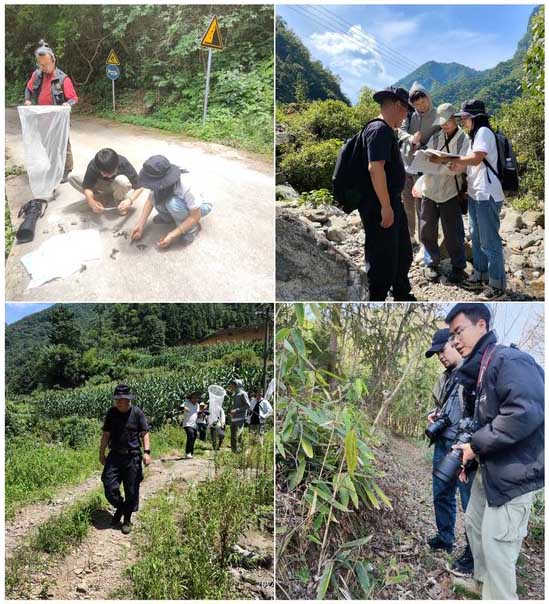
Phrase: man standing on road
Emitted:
{"points": [[109, 179], [124, 427], [388, 247], [261, 409], [239, 413], [48, 85], [443, 423], [504, 389]]}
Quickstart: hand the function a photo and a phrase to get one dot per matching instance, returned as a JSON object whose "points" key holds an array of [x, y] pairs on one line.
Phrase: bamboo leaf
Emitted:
{"points": [[363, 578], [297, 476], [307, 447], [351, 451], [324, 581], [382, 496], [298, 343], [299, 313], [357, 542], [282, 334]]}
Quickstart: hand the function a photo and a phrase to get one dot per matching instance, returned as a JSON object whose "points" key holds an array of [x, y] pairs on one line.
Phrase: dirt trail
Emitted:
{"points": [[409, 485], [95, 569], [232, 260]]}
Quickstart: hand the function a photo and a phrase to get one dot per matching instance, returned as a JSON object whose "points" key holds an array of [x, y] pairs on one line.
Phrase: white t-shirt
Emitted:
{"points": [[184, 188], [190, 415], [478, 185]]}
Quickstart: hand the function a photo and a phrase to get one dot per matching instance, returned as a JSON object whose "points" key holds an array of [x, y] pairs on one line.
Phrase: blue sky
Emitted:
{"points": [[14, 312], [404, 37]]}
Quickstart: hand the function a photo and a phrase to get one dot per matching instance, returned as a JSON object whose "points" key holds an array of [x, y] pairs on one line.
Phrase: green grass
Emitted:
{"points": [[9, 233], [70, 528]]}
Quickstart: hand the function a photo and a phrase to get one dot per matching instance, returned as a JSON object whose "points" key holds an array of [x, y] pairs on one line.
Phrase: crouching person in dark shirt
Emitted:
{"points": [[124, 427]]}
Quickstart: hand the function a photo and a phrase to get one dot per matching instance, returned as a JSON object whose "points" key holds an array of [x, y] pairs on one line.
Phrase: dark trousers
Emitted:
{"points": [[68, 159], [444, 495], [217, 435], [191, 437], [202, 430], [122, 470], [451, 219], [388, 252]]}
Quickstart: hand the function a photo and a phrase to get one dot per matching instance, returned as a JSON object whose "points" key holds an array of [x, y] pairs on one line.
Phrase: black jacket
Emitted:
{"points": [[510, 410]]}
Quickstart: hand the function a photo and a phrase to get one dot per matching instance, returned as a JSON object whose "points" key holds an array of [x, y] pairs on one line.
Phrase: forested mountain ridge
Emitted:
{"points": [[298, 77]]}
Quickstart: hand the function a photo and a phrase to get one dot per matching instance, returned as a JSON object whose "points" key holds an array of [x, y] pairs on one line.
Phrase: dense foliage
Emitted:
{"points": [[67, 345], [162, 63], [298, 77]]}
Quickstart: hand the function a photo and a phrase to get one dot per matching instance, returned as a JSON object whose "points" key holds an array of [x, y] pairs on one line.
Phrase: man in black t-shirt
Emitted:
{"points": [[109, 179], [387, 246], [124, 429]]}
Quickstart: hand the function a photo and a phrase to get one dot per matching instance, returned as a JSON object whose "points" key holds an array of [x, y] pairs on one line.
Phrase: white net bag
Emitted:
{"points": [[45, 134]]}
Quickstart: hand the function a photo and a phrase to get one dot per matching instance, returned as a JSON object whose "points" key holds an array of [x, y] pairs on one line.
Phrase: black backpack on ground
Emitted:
{"points": [[349, 172], [507, 166]]}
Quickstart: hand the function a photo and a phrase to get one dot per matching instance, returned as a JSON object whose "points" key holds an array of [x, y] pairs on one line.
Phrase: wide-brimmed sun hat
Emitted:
{"points": [[472, 108], [158, 173], [123, 391]]}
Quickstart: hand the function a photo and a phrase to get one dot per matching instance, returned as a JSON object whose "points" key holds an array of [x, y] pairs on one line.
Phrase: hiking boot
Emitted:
{"points": [[65, 177], [474, 284], [189, 456], [435, 542], [457, 275], [465, 564], [163, 219], [115, 521], [431, 273], [468, 586], [127, 527], [491, 293]]}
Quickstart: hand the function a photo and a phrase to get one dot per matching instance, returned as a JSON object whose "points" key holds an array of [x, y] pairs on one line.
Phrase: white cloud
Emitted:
{"points": [[390, 30], [337, 43]]}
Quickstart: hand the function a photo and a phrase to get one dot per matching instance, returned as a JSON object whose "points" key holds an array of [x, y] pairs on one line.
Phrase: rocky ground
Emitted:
{"points": [[523, 236]]}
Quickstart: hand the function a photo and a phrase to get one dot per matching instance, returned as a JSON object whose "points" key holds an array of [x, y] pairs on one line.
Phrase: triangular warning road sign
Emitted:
{"points": [[112, 59], [212, 38]]}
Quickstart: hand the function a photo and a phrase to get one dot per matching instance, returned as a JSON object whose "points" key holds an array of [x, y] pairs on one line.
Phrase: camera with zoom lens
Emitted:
{"points": [[435, 430], [450, 466]]}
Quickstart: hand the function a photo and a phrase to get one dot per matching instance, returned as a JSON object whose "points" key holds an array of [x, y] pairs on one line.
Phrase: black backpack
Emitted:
{"points": [[349, 172], [507, 166]]}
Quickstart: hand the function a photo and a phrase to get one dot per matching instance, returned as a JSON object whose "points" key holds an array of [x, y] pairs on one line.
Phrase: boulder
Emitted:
{"points": [[286, 191], [309, 267], [316, 215], [532, 218], [511, 222], [335, 234]]}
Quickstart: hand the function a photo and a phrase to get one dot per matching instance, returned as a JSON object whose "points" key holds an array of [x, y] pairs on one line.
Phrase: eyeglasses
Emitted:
{"points": [[453, 337]]}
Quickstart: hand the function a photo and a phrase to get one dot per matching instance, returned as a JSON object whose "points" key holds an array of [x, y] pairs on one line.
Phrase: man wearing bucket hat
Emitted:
{"points": [[239, 413], [443, 427], [440, 199], [173, 197], [124, 429], [388, 248], [485, 200], [48, 85]]}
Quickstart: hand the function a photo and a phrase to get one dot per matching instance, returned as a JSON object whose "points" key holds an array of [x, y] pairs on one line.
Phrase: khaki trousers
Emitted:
{"points": [[106, 190], [412, 207], [495, 535]]}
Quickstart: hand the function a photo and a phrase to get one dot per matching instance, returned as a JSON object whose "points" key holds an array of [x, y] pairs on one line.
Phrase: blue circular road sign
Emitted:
{"points": [[113, 72]]}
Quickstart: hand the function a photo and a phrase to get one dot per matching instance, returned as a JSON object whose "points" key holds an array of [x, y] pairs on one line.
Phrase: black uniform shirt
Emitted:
{"points": [[125, 428], [124, 167]]}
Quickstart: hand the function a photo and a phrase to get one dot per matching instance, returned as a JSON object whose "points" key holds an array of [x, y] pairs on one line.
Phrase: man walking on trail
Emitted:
{"points": [[48, 85], [387, 244], [414, 133], [448, 397], [504, 390], [261, 409], [124, 429], [110, 179], [216, 422], [239, 413]]}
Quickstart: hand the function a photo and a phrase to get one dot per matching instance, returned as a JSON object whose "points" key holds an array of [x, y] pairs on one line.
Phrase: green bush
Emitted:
{"points": [[317, 198], [312, 166], [75, 431], [324, 120]]}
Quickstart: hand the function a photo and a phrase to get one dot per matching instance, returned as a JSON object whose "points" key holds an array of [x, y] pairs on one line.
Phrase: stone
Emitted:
{"points": [[280, 178], [335, 234], [511, 222], [286, 192], [316, 215], [533, 218], [82, 589], [536, 274], [516, 262], [309, 267], [282, 137], [519, 274]]}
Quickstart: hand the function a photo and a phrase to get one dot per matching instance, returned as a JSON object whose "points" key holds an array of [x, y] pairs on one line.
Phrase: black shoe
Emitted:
{"points": [[435, 542], [127, 527], [65, 177], [432, 273], [465, 564], [161, 219], [115, 521], [457, 275], [405, 298]]}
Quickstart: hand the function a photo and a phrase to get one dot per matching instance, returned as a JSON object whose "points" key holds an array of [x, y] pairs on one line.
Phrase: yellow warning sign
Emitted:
{"points": [[212, 38], [112, 59]]}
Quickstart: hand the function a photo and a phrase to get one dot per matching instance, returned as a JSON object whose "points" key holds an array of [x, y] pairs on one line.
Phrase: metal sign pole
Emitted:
{"points": [[113, 100], [207, 86]]}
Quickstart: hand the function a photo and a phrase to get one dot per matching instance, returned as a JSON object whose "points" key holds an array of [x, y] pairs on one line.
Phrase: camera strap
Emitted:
{"points": [[484, 363]]}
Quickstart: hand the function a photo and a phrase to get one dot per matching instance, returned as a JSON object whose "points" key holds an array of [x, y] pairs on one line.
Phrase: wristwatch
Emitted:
{"points": [[147, 451]]}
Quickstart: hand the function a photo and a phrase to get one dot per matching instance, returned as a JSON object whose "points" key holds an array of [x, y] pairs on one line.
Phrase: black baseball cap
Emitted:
{"points": [[472, 108], [396, 94], [440, 338]]}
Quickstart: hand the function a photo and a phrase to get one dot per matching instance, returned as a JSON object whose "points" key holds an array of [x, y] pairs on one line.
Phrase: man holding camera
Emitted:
{"points": [[442, 431], [504, 392]]}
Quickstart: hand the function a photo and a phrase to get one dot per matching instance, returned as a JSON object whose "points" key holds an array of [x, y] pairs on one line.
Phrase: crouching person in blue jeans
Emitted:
{"points": [[174, 200], [443, 429]]}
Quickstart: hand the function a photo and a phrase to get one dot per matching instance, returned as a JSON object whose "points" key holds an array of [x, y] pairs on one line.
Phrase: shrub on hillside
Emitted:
{"points": [[312, 166]]}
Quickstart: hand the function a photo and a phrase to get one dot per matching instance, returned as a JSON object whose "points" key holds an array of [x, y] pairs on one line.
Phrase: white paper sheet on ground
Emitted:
{"points": [[422, 164], [61, 256]]}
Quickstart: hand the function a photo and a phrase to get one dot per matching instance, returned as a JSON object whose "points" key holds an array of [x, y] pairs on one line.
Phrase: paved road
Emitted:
{"points": [[232, 260]]}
